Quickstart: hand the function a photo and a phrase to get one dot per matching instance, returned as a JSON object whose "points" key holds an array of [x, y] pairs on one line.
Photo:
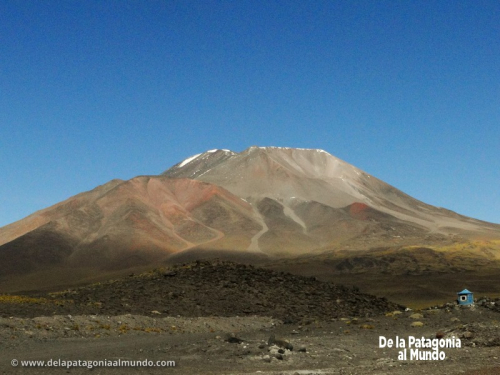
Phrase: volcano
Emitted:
{"points": [[305, 183], [265, 203]]}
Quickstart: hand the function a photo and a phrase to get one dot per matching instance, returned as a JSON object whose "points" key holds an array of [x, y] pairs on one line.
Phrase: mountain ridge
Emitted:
{"points": [[324, 171], [262, 203]]}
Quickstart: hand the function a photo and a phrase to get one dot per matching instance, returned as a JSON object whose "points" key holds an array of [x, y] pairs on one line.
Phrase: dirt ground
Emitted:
{"points": [[254, 344]]}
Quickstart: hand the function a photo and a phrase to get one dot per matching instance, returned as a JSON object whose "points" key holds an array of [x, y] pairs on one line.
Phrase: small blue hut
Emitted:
{"points": [[465, 297]]}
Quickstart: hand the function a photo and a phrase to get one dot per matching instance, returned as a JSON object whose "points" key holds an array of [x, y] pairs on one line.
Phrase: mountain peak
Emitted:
{"points": [[219, 152], [310, 175], [205, 154], [278, 173], [271, 148]]}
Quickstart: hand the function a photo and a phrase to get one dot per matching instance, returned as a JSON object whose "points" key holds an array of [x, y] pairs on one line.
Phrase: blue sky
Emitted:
{"points": [[408, 91]]}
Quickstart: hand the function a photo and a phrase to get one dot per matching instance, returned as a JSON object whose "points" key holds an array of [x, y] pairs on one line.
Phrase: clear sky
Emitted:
{"points": [[408, 91]]}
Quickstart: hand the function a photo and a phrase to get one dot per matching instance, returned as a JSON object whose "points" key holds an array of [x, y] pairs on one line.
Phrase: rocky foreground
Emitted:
{"points": [[253, 344], [224, 318]]}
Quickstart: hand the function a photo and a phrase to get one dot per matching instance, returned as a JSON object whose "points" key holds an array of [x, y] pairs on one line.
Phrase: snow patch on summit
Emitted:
{"points": [[291, 148], [188, 160], [218, 149], [203, 155]]}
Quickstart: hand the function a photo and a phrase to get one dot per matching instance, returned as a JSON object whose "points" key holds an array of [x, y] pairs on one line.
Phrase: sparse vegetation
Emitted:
{"points": [[16, 299]]}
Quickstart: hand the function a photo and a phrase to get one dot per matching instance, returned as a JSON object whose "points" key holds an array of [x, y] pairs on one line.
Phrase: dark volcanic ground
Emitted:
{"points": [[209, 289], [225, 318]]}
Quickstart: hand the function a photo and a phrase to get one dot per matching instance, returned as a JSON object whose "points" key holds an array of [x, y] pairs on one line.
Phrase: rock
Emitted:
{"points": [[279, 356], [231, 338], [416, 316], [417, 324], [279, 342], [440, 334], [393, 313], [266, 358], [302, 349], [468, 335], [495, 341], [273, 350]]}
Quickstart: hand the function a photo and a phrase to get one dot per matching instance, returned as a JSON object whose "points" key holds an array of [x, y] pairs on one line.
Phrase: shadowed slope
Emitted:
{"points": [[125, 224]]}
